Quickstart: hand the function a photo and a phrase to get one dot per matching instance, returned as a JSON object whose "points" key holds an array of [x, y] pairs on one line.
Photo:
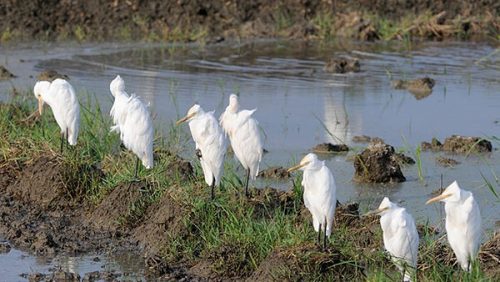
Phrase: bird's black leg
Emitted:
{"points": [[197, 152], [319, 235], [324, 237], [136, 168], [66, 138], [212, 187], [62, 140], [246, 186]]}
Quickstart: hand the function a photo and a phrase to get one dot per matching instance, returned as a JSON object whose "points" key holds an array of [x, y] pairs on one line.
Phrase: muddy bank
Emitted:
{"points": [[379, 163], [459, 144], [216, 20]]}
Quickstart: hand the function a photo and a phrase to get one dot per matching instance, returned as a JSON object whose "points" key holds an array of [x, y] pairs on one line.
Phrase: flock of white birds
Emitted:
{"points": [[132, 121]]}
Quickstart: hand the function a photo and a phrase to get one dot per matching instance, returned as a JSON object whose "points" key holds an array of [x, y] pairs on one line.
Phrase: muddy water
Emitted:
{"points": [[299, 105]]}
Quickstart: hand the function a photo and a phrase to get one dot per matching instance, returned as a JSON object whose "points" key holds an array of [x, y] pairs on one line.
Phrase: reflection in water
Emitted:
{"points": [[336, 118]]}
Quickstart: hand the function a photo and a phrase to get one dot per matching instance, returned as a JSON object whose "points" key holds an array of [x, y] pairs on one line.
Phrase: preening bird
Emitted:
{"points": [[133, 121], [61, 98], [210, 141], [319, 193], [463, 223], [244, 134], [400, 237]]}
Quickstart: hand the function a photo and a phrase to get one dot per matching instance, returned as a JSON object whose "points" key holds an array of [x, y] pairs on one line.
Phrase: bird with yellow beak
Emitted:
{"points": [[319, 194], [463, 223]]}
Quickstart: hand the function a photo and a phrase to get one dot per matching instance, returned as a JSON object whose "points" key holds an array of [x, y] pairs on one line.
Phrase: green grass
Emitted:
{"points": [[234, 234]]}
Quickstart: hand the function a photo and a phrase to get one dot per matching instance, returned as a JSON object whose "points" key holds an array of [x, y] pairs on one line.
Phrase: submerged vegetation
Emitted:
{"points": [[170, 214]]}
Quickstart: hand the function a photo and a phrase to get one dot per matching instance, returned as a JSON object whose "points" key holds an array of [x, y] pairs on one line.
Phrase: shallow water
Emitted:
{"points": [[297, 100]]}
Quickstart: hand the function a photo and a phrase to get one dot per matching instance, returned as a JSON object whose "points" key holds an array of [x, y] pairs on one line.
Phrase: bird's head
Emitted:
{"points": [[233, 103], [452, 193], [309, 160], [192, 112], [117, 85], [40, 90], [385, 206]]}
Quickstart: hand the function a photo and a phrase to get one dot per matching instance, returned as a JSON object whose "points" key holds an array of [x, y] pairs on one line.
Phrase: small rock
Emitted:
{"points": [[435, 145], [342, 65], [446, 162], [36, 277], [5, 74], [277, 172], [326, 148], [377, 164], [361, 139], [403, 159], [4, 248], [420, 88], [51, 75], [64, 276], [91, 276]]}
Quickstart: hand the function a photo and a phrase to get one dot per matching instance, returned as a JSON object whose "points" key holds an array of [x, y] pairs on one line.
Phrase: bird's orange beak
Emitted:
{"points": [[299, 166], [40, 105], [377, 211], [184, 118], [438, 198]]}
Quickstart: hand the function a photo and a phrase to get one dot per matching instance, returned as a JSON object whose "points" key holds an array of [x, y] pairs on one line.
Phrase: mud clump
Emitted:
{"points": [[265, 201], [403, 159], [419, 88], [4, 248], [459, 144], [276, 172], [5, 74], [180, 168], [446, 162], [51, 75], [377, 164], [363, 139], [489, 257], [342, 65], [328, 148]]}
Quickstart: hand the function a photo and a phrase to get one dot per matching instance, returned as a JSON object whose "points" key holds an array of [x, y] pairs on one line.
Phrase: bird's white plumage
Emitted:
{"points": [[133, 120], [400, 237], [244, 134], [463, 223], [61, 97], [319, 192], [210, 140]]}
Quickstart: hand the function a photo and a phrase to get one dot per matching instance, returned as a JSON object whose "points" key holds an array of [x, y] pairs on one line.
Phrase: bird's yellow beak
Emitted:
{"points": [[185, 118], [438, 198], [377, 211], [40, 105], [299, 166]]}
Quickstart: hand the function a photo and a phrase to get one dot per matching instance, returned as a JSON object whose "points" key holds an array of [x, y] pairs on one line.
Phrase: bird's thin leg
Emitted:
{"points": [[66, 138], [319, 235], [136, 168], [212, 187], [324, 236], [246, 186], [62, 140]]}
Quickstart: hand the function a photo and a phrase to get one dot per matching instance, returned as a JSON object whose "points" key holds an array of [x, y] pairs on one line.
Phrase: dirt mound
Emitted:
{"points": [[180, 168], [342, 65], [276, 172], [378, 164], [459, 144], [5, 74], [326, 148], [295, 263], [489, 257], [419, 88], [161, 222], [265, 201], [122, 207], [446, 162]]}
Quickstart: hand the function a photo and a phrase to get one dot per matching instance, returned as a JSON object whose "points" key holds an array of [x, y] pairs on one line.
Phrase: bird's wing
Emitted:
{"points": [[119, 109], [138, 130], [403, 242], [65, 106], [473, 223], [247, 144]]}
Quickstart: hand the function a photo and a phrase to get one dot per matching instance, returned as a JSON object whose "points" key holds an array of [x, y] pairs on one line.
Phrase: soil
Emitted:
{"points": [[459, 144], [327, 148], [420, 88], [378, 164], [5, 74], [342, 65], [489, 257], [275, 172], [4, 248], [446, 162], [51, 75], [255, 18], [361, 139]]}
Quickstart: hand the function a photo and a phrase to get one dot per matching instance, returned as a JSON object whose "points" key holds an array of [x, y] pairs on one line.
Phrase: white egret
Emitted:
{"points": [[463, 223], [319, 193], [400, 237], [210, 140], [244, 134], [133, 121], [61, 98]]}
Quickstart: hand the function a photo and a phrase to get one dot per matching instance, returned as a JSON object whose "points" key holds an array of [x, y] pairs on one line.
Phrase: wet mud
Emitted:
{"points": [[446, 162], [379, 163], [420, 88], [327, 148], [459, 144], [342, 65], [275, 172], [51, 75], [5, 74]]}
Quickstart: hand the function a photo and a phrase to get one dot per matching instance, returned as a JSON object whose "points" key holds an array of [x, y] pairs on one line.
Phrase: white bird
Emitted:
{"points": [[463, 223], [400, 237], [244, 134], [210, 140], [319, 193], [133, 121], [61, 98]]}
